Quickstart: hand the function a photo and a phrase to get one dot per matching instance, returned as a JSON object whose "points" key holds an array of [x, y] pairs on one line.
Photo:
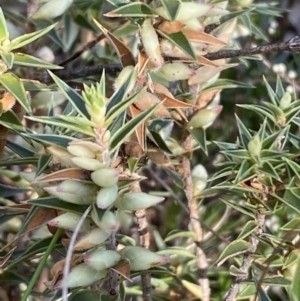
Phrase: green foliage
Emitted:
{"points": [[77, 152]]}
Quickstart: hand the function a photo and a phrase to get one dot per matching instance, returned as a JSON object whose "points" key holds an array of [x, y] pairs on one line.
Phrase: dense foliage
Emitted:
{"points": [[125, 173]]}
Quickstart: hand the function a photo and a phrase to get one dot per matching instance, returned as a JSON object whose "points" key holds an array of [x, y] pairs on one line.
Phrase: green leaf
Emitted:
{"points": [[22, 161], [223, 83], [181, 41], [262, 295], [246, 171], [200, 136], [48, 139], [243, 209], [289, 199], [177, 251], [243, 131], [3, 28], [179, 234], [12, 278], [121, 93], [235, 248], [30, 37], [237, 153], [161, 143], [132, 10], [249, 228], [172, 8], [73, 123], [118, 138], [20, 150], [55, 203], [122, 106], [291, 259], [236, 14], [271, 93], [31, 61], [268, 169], [6, 191], [260, 110], [8, 58], [14, 85], [10, 120], [279, 91], [292, 225], [74, 98], [43, 162]]}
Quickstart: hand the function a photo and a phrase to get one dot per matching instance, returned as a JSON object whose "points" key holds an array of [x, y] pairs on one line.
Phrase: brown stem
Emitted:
{"points": [[235, 287], [144, 241]]}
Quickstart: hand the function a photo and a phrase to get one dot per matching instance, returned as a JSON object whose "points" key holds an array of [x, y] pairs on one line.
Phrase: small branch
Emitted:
{"points": [[293, 45], [69, 254], [144, 241], [89, 45], [235, 287]]}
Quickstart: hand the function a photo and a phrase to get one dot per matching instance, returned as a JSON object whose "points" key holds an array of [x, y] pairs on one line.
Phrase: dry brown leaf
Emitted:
{"points": [[7, 101], [58, 268], [205, 97], [123, 268], [148, 100], [204, 61], [123, 52], [65, 174], [140, 130], [169, 27], [142, 63], [158, 157], [203, 37]]}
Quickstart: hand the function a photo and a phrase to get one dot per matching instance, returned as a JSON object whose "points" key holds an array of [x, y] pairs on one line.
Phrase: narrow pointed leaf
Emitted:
{"points": [[14, 85], [132, 10], [30, 37], [8, 58], [73, 97], [181, 41], [243, 131], [200, 136], [118, 138], [3, 28], [31, 61], [235, 248], [249, 228], [43, 162], [124, 53], [172, 8]]}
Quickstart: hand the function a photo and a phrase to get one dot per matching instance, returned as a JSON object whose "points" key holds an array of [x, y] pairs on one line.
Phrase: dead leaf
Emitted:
{"points": [[7, 102], [158, 157], [140, 130], [142, 63], [169, 27], [65, 174], [123, 52], [205, 97], [123, 268], [203, 37], [206, 62]]}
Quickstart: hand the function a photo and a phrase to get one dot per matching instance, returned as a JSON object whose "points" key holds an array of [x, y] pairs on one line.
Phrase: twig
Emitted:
{"points": [[293, 45], [69, 254], [89, 45], [234, 288], [144, 241]]}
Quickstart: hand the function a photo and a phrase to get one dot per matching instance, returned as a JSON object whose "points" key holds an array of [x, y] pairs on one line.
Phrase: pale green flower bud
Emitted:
{"points": [[95, 237], [105, 177], [187, 10], [151, 43], [133, 201], [175, 71], [142, 259], [204, 118], [87, 163], [52, 9], [69, 221], [254, 146], [199, 177], [123, 76], [82, 275], [106, 137], [285, 101], [87, 199], [125, 219], [106, 196], [81, 151], [102, 259], [76, 187], [108, 221], [61, 155]]}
